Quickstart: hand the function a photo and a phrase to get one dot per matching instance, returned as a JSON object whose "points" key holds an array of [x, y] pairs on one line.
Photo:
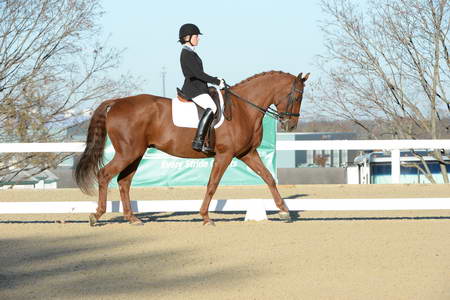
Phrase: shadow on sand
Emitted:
{"points": [[219, 217], [97, 263]]}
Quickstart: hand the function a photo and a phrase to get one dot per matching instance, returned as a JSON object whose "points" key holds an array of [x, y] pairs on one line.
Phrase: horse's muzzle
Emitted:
{"points": [[287, 125]]}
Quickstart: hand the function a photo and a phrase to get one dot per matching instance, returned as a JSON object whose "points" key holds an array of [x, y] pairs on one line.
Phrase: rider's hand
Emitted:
{"points": [[222, 83]]}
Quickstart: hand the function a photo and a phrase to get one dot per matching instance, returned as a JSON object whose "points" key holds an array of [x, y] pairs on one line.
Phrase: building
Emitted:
{"points": [[315, 158], [314, 166], [29, 179]]}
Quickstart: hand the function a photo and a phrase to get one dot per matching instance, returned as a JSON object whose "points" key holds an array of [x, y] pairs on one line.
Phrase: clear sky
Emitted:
{"points": [[240, 38]]}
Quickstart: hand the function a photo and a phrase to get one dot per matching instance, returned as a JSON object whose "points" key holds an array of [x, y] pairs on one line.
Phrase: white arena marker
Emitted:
{"points": [[256, 211]]}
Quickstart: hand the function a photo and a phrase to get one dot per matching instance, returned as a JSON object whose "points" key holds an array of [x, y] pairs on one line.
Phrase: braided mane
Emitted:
{"points": [[260, 75]]}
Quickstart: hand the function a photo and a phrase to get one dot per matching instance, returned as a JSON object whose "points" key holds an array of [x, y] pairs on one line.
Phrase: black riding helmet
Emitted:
{"points": [[188, 29]]}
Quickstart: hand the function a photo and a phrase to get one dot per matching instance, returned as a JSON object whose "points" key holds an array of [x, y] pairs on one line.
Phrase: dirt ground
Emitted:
{"points": [[321, 255]]}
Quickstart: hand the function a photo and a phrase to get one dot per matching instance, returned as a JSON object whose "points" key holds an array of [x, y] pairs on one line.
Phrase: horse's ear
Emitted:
{"points": [[306, 77], [300, 76]]}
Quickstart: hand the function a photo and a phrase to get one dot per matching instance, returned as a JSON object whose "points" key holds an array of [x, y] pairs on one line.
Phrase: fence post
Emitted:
{"points": [[395, 165]]}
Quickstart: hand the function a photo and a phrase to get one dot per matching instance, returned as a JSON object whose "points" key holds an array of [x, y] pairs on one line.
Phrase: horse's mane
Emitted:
{"points": [[260, 75]]}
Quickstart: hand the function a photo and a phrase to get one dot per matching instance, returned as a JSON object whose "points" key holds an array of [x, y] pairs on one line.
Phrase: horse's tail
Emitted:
{"points": [[86, 171]]}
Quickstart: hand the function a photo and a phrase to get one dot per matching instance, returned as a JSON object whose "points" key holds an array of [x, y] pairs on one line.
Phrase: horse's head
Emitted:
{"points": [[288, 106]]}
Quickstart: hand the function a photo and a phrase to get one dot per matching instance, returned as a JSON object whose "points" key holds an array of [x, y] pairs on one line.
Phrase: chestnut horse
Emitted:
{"points": [[136, 123]]}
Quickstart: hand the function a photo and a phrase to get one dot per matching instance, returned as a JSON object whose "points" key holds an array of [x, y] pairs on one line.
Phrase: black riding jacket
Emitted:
{"points": [[195, 79]]}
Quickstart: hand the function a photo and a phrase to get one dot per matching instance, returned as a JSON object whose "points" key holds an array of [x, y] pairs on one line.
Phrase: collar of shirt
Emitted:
{"points": [[189, 47]]}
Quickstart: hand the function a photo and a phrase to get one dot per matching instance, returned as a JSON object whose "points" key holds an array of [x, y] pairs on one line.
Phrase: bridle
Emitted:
{"points": [[280, 116], [291, 100]]}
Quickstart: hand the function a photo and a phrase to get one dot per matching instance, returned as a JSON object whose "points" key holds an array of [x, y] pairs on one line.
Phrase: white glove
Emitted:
{"points": [[221, 84]]}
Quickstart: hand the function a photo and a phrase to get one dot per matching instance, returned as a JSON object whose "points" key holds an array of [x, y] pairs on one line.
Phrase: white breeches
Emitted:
{"points": [[205, 101]]}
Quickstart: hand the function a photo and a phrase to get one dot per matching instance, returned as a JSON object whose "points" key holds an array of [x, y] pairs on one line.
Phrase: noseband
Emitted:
{"points": [[280, 116]]}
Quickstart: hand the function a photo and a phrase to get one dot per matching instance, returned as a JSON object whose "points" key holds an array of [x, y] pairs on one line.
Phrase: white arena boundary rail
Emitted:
{"points": [[255, 208]]}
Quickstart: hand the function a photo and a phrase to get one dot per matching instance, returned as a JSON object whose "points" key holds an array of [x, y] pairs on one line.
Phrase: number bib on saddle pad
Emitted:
{"points": [[185, 114]]}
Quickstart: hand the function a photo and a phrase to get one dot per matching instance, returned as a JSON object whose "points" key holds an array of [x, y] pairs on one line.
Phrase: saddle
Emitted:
{"points": [[210, 137], [213, 93]]}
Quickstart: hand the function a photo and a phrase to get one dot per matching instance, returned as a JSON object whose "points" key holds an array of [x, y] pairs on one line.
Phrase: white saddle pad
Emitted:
{"points": [[186, 115]]}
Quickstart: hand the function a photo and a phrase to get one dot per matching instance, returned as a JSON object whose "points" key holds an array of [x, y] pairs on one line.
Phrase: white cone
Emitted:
{"points": [[256, 211]]}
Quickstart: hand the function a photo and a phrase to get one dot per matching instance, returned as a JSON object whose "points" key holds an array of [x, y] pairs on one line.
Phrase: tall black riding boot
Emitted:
{"points": [[202, 129]]}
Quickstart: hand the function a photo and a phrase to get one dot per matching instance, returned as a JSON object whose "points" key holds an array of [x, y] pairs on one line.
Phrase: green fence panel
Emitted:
{"points": [[160, 169]]}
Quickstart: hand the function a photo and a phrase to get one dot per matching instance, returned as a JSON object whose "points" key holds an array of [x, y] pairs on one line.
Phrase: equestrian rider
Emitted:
{"points": [[195, 83]]}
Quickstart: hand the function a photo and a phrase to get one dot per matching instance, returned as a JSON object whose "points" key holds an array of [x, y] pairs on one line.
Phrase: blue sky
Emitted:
{"points": [[240, 38]]}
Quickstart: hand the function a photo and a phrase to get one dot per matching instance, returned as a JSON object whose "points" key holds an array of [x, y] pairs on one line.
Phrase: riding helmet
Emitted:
{"points": [[188, 29]]}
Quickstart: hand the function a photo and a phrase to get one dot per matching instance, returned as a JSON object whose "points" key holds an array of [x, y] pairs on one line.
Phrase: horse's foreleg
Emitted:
{"points": [[124, 181], [220, 165], [253, 160]]}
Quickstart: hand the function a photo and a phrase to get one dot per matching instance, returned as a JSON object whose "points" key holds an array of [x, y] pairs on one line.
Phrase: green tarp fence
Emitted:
{"points": [[160, 169]]}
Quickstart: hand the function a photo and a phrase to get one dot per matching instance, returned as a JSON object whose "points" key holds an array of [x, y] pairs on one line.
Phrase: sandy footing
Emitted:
{"points": [[321, 255]]}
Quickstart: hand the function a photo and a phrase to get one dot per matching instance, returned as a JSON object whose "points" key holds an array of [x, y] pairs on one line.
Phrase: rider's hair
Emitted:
{"points": [[186, 39]]}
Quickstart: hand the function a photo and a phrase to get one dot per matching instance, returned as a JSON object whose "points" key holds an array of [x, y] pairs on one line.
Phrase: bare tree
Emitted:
{"points": [[388, 61], [51, 65]]}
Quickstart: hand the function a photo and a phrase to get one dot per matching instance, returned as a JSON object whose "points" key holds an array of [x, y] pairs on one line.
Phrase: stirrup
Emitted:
{"points": [[197, 145], [208, 150]]}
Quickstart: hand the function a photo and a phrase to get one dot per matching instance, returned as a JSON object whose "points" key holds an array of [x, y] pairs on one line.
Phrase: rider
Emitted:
{"points": [[195, 83]]}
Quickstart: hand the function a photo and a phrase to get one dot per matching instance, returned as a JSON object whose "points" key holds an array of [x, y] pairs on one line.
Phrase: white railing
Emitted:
{"points": [[41, 147], [255, 208], [390, 145]]}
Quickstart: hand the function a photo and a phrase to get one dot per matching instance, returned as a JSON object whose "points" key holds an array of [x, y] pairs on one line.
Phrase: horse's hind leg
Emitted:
{"points": [[116, 165], [124, 181], [253, 160]]}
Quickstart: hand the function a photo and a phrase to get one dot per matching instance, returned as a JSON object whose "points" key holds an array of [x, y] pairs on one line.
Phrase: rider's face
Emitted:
{"points": [[194, 40]]}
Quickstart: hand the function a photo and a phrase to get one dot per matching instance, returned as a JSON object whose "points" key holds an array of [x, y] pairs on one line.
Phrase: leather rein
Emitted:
{"points": [[270, 111]]}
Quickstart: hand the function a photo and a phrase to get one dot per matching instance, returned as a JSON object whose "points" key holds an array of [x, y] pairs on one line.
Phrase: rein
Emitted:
{"points": [[269, 111]]}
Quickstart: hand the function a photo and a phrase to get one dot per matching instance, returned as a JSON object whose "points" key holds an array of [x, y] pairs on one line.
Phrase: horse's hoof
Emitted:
{"points": [[209, 223], [92, 220], [285, 217], [137, 223]]}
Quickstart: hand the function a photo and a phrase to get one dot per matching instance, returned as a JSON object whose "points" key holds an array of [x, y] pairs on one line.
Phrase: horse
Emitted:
{"points": [[136, 123]]}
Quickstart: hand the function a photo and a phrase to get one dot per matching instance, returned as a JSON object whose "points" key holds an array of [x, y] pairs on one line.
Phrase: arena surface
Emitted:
{"points": [[321, 255]]}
